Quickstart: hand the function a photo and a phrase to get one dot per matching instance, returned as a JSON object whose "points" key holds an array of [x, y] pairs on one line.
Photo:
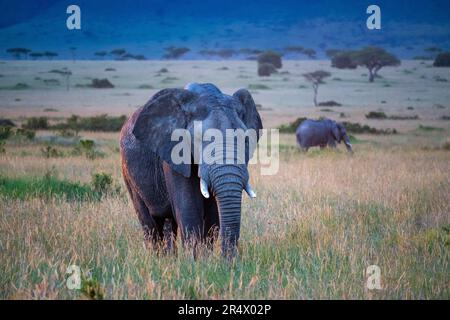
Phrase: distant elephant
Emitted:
{"points": [[312, 133], [199, 199]]}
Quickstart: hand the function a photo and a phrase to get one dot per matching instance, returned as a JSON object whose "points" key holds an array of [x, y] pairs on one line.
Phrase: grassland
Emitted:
{"points": [[310, 233]]}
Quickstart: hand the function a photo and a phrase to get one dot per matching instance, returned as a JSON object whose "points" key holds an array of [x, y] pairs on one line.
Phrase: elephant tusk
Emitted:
{"points": [[204, 188], [250, 191]]}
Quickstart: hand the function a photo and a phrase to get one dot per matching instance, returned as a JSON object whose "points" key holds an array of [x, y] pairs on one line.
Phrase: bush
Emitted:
{"points": [[101, 84], [358, 128], [50, 152], [266, 69], [102, 182], [291, 127], [2, 147], [5, 133], [376, 115], [26, 133], [36, 123], [343, 60], [270, 57], [442, 60], [102, 123], [258, 86], [330, 103]]}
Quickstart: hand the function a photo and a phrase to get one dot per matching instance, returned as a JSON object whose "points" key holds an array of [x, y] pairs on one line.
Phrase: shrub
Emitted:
{"points": [[291, 127], [5, 132], [102, 182], [36, 123], [399, 117], [102, 123], [2, 147], [270, 57], [258, 86], [359, 128], [429, 128], [266, 69], [343, 60], [145, 86], [50, 152], [376, 115], [442, 60], [330, 103], [26, 133], [101, 84]]}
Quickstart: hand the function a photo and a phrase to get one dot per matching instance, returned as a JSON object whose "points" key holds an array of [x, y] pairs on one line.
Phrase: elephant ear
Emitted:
{"points": [[158, 119], [335, 131], [251, 116]]}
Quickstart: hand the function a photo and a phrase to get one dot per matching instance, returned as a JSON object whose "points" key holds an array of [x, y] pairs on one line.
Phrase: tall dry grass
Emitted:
{"points": [[310, 233]]}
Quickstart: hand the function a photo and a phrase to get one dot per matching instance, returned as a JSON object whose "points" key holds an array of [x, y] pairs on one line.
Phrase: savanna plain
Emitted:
{"points": [[313, 229]]}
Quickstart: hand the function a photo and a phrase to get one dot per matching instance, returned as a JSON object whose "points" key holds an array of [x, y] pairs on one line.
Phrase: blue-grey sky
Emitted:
{"points": [[148, 26]]}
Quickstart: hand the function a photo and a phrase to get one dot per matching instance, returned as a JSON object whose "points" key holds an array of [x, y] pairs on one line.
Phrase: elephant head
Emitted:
{"points": [[225, 178], [340, 134]]}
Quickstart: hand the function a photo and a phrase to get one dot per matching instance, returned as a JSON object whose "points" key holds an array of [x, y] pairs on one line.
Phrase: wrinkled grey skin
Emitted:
{"points": [[312, 133], [162, 190]]}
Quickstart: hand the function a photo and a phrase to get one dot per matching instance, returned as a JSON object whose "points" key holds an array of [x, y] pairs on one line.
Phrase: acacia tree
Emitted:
{"points": [[316, 78], [50, 55], [18, 52], [374, 58], [36, 55], [101, 54]]}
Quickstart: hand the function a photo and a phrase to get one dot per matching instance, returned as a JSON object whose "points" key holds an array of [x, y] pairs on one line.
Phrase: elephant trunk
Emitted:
{"points": [[348, 144], [227, 183]]}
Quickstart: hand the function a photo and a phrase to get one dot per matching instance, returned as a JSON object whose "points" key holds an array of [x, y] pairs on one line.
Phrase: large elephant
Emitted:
{"points": [[312, 133], [202, 200]]}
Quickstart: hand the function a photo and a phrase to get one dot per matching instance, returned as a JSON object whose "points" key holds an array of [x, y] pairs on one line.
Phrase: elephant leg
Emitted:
{"points": [[187, 204], [153, 227], [153, 230], [170, 234], [332, 143], [212, 223]]}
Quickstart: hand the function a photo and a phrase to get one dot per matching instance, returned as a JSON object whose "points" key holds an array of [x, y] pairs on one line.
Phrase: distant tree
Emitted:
{"points": [[50, 55], [442, 60], [18, 52], [266, 69], [175, 52], [127, 56], [374, 58], [101, 54], [36, 55], [140, 57], [316, 78], [65, 73], [271, 57], [343, 60], [118, 53]]}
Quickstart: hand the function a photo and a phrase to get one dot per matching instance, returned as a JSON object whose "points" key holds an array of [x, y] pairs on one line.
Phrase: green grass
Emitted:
{"points": [[45, 187]]}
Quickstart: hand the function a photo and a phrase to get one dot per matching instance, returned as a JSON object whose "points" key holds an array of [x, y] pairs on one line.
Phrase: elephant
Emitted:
{"points": [[200, 200], [311, 133]]}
